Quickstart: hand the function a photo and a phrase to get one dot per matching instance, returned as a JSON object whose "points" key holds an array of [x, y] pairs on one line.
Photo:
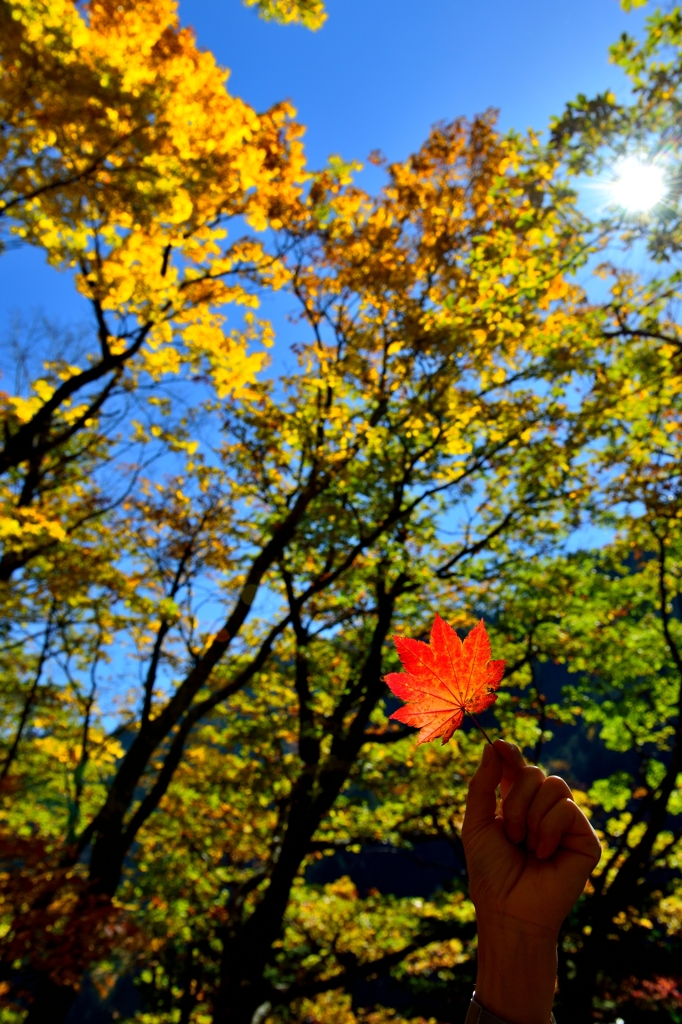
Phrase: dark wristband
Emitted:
{"points": [[477, 1015]]}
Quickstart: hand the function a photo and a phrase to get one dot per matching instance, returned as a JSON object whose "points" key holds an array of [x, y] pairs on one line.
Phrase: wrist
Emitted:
{"points": [[517, 964]]}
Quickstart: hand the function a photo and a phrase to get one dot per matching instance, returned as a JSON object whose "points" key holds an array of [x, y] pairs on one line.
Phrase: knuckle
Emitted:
{"points": [[555, 782]]}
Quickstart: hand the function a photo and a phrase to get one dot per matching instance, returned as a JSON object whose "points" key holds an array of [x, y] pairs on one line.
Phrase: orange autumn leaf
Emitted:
{"points": [[444, 679]]}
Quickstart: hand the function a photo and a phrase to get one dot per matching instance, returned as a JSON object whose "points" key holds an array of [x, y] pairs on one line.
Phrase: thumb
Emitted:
{"points": [[482, 798]]}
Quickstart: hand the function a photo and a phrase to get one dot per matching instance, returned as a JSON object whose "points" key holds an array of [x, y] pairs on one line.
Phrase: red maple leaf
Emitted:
{"points": [[444, 679]]}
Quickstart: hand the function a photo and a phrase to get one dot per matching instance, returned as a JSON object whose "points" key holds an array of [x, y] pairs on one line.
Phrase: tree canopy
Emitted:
{"points": [[204, 561]]}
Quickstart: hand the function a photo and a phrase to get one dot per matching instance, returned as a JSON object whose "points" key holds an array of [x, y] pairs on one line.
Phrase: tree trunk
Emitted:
{"points": [[247, 951], [242, 991]]}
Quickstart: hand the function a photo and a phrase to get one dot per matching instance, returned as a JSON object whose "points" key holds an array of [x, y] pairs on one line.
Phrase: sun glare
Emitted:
{"points": [[637, 185]]}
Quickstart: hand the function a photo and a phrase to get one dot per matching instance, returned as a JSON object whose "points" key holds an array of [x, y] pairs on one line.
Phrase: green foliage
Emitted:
{"points": [[612, 793]]}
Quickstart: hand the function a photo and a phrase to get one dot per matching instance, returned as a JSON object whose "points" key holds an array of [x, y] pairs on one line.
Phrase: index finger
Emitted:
{"points": [[481, 797], [500, 764]]}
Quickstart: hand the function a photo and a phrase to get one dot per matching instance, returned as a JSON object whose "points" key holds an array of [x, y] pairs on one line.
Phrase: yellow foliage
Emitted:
{"points": [[310, 13], [126, 158]]}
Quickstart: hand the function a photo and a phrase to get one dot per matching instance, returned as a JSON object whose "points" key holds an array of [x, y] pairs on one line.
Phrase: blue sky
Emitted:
{"points": [[377, 76], [381, 72]]}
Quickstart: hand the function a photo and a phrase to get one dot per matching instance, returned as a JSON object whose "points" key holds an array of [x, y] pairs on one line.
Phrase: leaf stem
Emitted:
{"points": [[479, 727]]}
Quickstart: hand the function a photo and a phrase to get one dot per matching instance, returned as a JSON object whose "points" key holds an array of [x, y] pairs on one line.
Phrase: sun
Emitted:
{"points": [[638, 185]]}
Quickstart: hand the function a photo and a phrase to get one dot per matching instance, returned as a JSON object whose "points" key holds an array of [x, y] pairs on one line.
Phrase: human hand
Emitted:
{"points": [[527, 867], [531, 862]]}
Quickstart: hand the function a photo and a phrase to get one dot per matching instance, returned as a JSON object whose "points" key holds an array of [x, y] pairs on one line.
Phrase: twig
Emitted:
{"points": [[479, 727]]}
